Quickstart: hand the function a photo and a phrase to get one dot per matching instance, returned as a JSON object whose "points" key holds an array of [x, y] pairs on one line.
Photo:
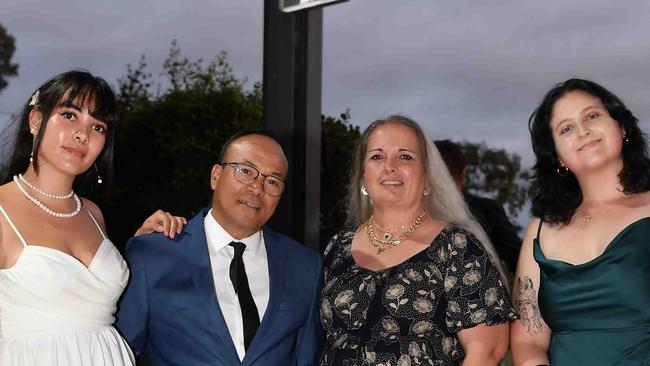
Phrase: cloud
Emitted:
{"points": [[477, 70], [103, 36], [464, 69]]}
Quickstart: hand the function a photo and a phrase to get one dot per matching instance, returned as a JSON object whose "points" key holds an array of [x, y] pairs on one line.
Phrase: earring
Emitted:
{"points": [[626, 139], [31, 154], [363, 190], [562, 171], [426, 192], [99, 177]]}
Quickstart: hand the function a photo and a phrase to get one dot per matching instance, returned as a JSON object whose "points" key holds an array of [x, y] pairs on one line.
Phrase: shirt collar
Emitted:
{"points": [[219, 238]]}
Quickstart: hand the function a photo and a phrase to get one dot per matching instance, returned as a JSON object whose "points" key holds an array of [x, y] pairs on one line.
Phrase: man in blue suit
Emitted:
{"points": [[227, 290]]}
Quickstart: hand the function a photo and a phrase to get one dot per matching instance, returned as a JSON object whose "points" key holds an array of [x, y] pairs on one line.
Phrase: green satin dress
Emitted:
{"points": [[599, 311]]}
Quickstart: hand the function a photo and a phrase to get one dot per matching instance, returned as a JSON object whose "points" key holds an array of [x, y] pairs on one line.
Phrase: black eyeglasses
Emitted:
{"points": [[246, 174]]}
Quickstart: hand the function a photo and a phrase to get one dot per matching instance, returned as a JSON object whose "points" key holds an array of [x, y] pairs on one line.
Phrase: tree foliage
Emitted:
{"points": [[497, 174], [171, 129], [7, 49], [339, 140], [169, 138]]}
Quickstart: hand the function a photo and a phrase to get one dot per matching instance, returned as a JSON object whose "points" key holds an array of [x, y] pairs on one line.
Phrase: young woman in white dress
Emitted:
{"points": [[60, 276]]}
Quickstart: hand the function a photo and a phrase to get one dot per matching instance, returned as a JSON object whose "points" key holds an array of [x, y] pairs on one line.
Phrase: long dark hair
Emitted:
{"points": [[86, 90], [554, 197]]}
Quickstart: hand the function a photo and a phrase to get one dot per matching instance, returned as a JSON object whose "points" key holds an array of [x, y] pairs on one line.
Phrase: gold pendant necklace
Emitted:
{"points": [[588, 214], [388, 241], [388, 233]]}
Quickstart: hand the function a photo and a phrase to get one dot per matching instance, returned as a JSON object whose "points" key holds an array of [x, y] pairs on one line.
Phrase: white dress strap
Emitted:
{"points": [[96, 224], [11, 223]]}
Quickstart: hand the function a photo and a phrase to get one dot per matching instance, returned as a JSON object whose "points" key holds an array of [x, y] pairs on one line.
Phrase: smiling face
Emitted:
{"points": [[394, 167], [72, 140], [585, 135], [242, 209]]}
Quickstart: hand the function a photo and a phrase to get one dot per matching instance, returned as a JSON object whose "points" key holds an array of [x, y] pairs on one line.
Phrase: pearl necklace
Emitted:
{"points": [[50, 195], [48, 210], [383, 244]]}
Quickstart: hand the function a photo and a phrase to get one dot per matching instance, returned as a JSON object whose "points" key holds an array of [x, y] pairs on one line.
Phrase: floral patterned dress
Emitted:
{"points": [[409, 314]]}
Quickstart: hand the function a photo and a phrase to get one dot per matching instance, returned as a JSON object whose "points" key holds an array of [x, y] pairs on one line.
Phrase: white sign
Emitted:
{"points": [[289, 6]]}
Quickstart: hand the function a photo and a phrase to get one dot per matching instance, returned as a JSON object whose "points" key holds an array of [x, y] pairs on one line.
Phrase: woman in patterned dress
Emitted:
{"points": [[414, 280]]}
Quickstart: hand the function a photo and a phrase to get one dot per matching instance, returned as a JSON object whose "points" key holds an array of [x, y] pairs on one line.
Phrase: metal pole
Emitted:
{"points": [[292, 75]]}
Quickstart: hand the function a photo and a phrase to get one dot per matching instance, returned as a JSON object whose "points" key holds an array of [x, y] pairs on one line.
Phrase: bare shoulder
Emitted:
{"points": [[95, 211], [6, 189], [531, 233], [7, 196], [527, 267]]}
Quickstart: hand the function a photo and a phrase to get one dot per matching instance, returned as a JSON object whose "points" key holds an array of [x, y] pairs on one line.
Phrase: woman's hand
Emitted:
{"points": [[162, 222], [484, 345]]}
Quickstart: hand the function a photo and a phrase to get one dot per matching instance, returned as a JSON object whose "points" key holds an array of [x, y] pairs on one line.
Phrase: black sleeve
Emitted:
{"points": [[502, 233]]}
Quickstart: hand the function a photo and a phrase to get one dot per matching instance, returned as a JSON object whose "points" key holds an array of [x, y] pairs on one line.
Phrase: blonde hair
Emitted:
{"points": [[445, 202]]}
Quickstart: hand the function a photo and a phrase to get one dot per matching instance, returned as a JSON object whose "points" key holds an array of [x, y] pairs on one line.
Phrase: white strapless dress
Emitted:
{"points": [[56, 311]]}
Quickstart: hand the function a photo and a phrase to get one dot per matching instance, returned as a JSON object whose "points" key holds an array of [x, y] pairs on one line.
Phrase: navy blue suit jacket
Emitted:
{"points": [[170, 307]]}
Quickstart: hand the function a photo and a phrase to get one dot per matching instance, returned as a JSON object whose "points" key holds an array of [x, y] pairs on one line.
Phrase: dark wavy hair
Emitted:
{"points": [[82, 88], [555, 198]]}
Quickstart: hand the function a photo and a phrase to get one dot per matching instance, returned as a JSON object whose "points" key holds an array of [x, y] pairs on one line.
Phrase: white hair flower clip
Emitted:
{"points": [[34, 100]]}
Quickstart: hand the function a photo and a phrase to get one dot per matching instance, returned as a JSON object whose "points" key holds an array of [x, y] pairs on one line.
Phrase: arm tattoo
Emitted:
{"points": [[526, 304]]}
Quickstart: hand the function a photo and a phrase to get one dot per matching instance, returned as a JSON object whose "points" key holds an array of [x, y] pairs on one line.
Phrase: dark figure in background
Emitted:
{"points": [[227, 291], [488, 212]]}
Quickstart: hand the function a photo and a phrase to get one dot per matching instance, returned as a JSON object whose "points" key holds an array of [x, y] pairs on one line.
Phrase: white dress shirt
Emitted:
{"points": [[257, 271]]}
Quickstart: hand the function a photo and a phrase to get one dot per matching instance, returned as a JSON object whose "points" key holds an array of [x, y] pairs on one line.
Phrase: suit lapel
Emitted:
{"points": [[276, 259], [199, 260]]}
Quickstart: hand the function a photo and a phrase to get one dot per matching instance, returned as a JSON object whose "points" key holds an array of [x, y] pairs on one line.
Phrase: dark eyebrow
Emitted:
{"points": [[561, 123], [78, 109], [72, 105], [585, 109], [275, 173], [248, 162], [593, 107]]}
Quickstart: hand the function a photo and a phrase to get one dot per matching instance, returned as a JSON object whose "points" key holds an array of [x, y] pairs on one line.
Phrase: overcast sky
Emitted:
{"points": [[470, 70]]}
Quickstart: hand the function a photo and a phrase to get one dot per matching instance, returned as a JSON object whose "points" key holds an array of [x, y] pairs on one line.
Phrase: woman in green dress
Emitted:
{"points": [[582, 286]]}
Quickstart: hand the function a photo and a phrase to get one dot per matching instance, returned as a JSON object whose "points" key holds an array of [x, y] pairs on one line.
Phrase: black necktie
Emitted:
{"points": [[240, 283]]}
